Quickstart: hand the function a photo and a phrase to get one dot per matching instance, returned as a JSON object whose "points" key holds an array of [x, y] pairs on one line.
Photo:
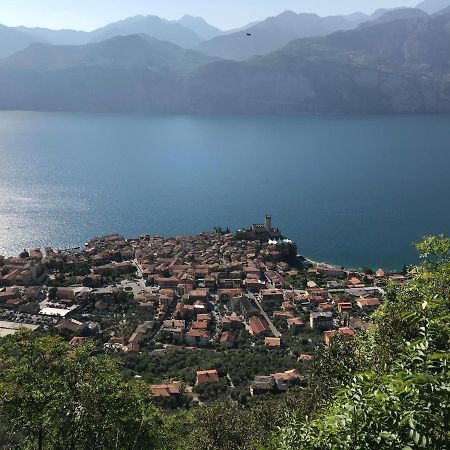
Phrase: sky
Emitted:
{"points": [[226, 14]]}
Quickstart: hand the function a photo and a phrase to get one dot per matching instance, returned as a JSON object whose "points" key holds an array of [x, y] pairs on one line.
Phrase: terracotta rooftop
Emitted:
{"points": [[207, 376]]}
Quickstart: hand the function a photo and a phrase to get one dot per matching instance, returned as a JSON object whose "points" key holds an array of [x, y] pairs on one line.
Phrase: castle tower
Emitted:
{"points": [[268, 223]]}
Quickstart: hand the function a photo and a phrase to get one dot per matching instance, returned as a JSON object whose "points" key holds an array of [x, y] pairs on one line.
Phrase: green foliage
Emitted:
{"points": [[226, 424], [52, 397], [241, 365], [399, 394], [433, 246]]}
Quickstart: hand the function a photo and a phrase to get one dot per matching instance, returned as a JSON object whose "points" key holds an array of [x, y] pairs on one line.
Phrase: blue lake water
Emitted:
{"points": [[349, 190]]}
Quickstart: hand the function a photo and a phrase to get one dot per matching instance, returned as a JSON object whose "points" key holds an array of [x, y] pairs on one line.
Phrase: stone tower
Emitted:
{"points": [[268, 223]]}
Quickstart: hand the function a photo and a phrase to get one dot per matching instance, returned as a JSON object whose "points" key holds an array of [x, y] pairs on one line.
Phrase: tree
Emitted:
{"points": [[53, 397], [400, 399]]}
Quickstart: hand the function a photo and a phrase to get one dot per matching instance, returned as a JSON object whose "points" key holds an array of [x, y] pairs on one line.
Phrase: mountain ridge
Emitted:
{"points": [[389, 66], [275, 32]]}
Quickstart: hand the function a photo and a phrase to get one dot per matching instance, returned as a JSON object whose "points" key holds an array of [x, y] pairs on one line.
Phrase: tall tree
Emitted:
{"points": [[55, 397]]}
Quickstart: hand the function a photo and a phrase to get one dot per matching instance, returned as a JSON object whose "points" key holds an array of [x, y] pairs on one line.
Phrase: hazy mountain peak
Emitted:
{"points": [[188, 18], [154, 26], [390, 15], [433, 6], [290, 14], [200, 26]]}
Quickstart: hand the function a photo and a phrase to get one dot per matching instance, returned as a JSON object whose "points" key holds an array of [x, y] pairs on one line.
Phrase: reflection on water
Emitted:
{"points": [[355, 191]]}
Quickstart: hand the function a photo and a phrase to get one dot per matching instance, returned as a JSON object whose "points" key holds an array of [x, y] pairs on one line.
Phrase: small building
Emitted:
{"points": [[272, 342], [330, 272], [201, 294], [321, 320], [253, 284], [166, 390], [355, 282], [71, 325], [344, 307], [227, 339], [283, 315], [170, 282], [207, 376], [198, 337], [368, 304], [233, 322], [295, 324], [272, 295], [289, 376], [345, 332], [262, 385], [174, 329], [258, 325]]}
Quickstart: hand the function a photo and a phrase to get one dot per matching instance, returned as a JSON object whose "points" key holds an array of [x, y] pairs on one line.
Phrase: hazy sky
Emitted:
{"points": [[90, 14]]}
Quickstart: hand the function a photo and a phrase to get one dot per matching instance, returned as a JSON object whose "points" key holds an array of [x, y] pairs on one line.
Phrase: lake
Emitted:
{"points": [[355, 191]]}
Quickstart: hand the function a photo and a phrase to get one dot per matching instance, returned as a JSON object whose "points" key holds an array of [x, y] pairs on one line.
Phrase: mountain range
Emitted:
{"points": [[398, 61], [274, 33], [187, 32], [194, 32], [256, 38]]}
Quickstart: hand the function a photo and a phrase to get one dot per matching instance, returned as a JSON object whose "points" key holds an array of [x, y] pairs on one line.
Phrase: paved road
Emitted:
{"points": [[273, 329]]}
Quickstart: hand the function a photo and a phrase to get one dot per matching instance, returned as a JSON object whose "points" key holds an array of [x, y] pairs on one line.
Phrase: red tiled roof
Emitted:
{"points": [[226, 337], [165, 390], [369, 302], [272, 342], [200, 325], [295, 321], [288, 375], [203, 317], [346, 331], [258, 325], [198, 333], [207, 376]]}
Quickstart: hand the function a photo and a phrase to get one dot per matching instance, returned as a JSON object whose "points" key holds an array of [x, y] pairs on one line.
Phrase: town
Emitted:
{"points": [[194, 316]]}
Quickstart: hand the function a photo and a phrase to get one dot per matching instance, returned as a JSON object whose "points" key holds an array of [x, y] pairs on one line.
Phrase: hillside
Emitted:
{"points": [[12, 41], [138, 50], [134, 72], [398, 66]]}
